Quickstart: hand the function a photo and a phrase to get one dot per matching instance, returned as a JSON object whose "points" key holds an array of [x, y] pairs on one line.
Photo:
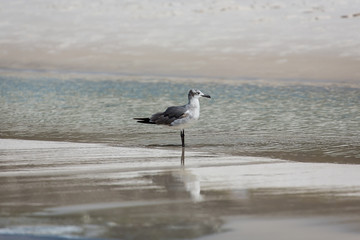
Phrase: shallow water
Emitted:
{"points": [[289, 121]]}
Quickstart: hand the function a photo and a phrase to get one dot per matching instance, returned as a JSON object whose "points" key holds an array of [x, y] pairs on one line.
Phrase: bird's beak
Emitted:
{"points": [[205, 95]]}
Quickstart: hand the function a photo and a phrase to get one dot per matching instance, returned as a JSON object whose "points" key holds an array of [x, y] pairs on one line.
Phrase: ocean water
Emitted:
{"points": [[291, 121]]}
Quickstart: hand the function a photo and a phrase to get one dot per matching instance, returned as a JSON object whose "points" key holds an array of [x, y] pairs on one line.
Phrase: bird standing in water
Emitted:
{"points": [[178, 116]]}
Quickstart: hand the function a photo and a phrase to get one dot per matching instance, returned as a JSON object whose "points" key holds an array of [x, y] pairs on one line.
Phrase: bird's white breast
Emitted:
{"points": [[191, 115]]}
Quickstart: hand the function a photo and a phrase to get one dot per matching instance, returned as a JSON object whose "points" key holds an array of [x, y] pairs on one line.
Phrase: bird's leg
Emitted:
{"points": [[182, 134]]}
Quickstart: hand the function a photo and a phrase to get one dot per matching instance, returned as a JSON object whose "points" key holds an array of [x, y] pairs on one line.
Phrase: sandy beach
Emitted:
{"points": [[222, 39], [97, 191]]}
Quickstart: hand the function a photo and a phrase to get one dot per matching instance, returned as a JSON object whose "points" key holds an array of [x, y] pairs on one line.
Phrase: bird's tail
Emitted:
{"points": [[144, 120]]}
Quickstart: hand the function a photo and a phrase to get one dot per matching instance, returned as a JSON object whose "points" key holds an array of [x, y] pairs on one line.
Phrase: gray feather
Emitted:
{"points": [[170, 115]]}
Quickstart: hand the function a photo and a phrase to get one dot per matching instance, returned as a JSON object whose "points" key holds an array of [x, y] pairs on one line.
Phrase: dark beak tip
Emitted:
{"points": [[207, 96]]}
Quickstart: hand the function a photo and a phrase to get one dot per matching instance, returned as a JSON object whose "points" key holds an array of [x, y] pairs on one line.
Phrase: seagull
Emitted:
{"points": [[178, 117]]}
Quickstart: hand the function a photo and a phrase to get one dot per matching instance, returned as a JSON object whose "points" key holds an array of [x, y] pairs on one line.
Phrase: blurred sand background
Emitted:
{"points": [[310, 40]]}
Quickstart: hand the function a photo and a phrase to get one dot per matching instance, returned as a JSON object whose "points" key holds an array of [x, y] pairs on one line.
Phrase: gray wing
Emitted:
{"points": [[170, 115]]}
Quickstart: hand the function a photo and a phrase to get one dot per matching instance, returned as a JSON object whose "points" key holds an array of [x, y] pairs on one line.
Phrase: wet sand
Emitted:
{"points": [[70, 190]]}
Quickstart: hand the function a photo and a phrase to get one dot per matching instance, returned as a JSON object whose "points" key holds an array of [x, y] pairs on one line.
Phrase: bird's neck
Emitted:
{"points": [[194, 103]]}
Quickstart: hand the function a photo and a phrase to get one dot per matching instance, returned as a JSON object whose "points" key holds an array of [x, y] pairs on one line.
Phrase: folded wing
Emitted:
{"points": [[171, 114]]}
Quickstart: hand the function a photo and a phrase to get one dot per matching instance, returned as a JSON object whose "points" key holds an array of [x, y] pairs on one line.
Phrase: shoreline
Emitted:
{"points": [[287, 156], [197, 159], [198, 79], [309, 66]]}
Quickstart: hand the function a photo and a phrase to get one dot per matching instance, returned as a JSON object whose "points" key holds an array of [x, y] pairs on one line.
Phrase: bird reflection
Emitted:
{"points": [[179, 184], [183, 156]]}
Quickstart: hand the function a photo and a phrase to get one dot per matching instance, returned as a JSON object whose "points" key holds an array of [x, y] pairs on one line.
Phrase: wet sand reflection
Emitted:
{"points": [[99, 191]]}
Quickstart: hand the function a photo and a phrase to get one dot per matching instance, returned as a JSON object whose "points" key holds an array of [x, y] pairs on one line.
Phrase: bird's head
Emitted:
{"points": [[195, 93]]}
